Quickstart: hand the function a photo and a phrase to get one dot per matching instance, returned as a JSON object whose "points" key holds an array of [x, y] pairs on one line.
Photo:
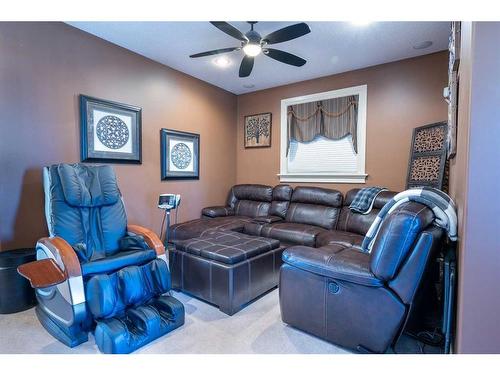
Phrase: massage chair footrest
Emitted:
{"points": [[139, 325], [130, 307]]}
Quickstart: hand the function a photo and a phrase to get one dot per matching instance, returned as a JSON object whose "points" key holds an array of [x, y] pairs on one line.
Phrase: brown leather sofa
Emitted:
{"points": [[328, 286]]}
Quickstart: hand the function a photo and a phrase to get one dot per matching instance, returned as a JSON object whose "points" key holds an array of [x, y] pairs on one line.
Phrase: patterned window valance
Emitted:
{"points": [[333, 118]]}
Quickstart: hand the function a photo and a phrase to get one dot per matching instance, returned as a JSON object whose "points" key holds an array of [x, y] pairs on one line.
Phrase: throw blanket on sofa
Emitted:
{"points": [[440, 203], [364, 198]]}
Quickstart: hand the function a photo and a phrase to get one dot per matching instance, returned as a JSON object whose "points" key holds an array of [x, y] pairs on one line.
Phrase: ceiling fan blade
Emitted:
{"points": [[246, 66], [229, 30], [215, 52], [284, 57], [287, 33]]}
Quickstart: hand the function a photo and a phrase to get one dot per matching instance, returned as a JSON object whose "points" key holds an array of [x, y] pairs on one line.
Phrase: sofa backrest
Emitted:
{"points": [[315, 206], [281, 200], [353, 222], [250, 199], [396, 238]]}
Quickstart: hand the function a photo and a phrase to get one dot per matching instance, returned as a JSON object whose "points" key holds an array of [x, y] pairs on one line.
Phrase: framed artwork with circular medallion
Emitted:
{"points": [[110, 131], [180, 155]]}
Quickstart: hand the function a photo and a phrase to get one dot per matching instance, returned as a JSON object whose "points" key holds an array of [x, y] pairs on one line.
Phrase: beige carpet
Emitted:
{"points": [[255, 329]]}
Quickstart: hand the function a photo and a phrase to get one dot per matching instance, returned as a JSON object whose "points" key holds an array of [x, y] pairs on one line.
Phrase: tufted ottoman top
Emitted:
{"points": [[226, 246]]}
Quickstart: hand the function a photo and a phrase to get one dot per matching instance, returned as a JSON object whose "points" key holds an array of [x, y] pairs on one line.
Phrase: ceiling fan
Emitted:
{"points": [[253, 44]]}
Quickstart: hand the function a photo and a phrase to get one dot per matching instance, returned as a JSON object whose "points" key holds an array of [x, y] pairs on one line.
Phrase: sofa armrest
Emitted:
{"points": [[217, 211], [150, 237], [267, 219], [333, 261]]}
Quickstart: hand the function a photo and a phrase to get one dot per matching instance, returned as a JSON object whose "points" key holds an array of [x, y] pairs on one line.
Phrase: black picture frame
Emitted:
{"points": [[265, 122], [99, 152], [170, 171], [434, 152]]}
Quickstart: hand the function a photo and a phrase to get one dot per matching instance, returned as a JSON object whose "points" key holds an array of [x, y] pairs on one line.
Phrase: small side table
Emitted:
{"points": [[16, 293]]}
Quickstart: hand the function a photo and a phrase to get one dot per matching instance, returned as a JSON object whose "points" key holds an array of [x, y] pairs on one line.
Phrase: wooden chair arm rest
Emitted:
{"points": [[150, 237], [69, 263], [42, 273]]}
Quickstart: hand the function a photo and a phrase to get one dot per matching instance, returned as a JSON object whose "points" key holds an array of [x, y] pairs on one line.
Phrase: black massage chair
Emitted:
{"points": [[95, 273]]}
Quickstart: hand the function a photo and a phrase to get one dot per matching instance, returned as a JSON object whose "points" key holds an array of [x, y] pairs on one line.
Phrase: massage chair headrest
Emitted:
{"points": [[88, 185]]}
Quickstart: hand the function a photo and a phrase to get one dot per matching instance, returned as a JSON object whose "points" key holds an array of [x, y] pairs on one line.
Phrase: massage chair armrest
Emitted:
{"points": [[42, 273], [61, 263], [267, 219], [335, 262], [150, 237], [217, 211]]}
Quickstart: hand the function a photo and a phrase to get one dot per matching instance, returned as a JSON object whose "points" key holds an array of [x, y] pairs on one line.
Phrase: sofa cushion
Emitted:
{"points": [[194, 228], [226, 246], [354, 222], [316, 195], [315, 206], [281, 200], [250, 192], [333, 261], [251, 208], [217, 211], [328, 237], [295, 233], [250, 199], [312, 214]]}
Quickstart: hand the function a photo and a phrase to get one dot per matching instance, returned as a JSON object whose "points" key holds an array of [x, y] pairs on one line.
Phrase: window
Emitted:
{"points": [[314, 148]]}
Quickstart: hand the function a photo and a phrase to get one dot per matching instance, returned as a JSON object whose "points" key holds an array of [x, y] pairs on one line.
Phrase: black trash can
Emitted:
{"points": [[16, 293]]}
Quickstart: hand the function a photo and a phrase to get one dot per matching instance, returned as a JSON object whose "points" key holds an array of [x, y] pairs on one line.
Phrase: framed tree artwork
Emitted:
{"points": [[180, 155], [110, 132], [258, 130]]}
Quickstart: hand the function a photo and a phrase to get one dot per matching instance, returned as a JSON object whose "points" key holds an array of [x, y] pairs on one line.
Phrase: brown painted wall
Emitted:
{"points": [[475, 173], [401, 96], [43, 68]]}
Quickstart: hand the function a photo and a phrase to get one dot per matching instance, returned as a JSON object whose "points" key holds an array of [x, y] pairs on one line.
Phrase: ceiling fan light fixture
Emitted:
{"points": [[252, 49], [222, 61]]}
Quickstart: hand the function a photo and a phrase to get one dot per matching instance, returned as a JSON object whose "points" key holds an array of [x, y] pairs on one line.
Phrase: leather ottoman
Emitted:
{"points": [[226, 268]]}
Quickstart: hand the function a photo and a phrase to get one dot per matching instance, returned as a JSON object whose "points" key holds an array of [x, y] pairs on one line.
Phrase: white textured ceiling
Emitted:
{"points": [[330, 47]]}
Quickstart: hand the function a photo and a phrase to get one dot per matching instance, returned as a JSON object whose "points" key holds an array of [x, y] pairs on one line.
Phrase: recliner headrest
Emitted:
{"points": [[88, 186], [316, 195], [253, 192], [282, 193]]}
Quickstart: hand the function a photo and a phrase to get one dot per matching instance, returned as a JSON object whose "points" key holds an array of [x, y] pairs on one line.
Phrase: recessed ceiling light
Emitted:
{"points": [[361, 23], [422, 45], [249, 86], [222, 61]]}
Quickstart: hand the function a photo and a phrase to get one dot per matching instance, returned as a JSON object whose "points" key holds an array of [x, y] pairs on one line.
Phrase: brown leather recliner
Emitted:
{"points": [[355, 299]]}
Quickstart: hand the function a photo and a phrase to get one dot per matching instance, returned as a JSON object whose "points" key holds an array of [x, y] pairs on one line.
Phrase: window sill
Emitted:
{"points": [[342, 178]]}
